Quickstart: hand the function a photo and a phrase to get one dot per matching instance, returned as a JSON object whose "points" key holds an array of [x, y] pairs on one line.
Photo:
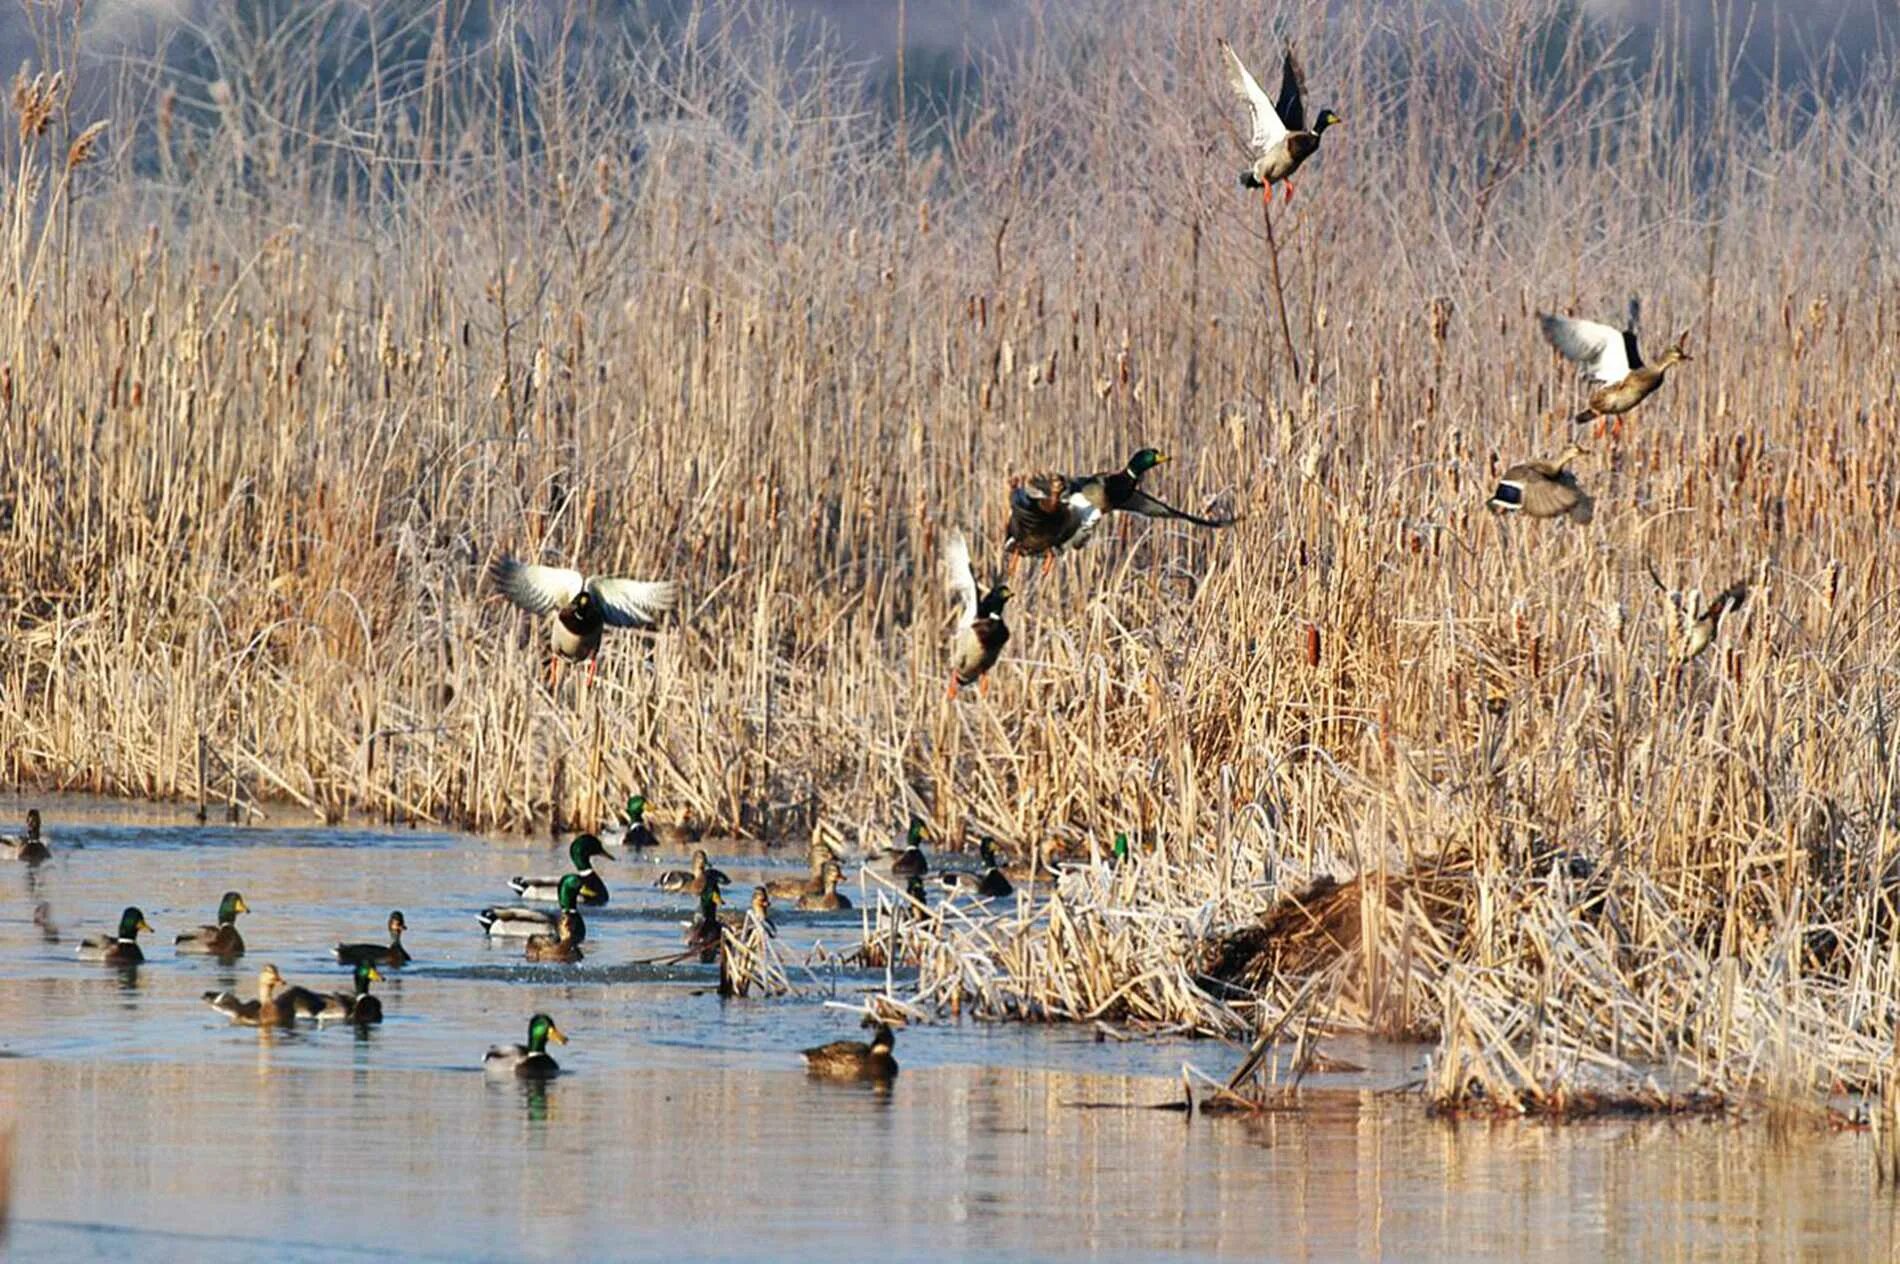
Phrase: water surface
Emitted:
{"points": [[148, 1128]]}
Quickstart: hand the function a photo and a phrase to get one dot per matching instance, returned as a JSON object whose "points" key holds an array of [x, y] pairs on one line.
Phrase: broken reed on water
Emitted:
{"points": [[269, 399]]}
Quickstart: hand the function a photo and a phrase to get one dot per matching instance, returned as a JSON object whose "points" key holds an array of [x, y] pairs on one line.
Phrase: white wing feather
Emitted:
{"points": [[632, 603], [1268, 130], [1598, 348], [956, 568], [1087, 516], [539, 589]]}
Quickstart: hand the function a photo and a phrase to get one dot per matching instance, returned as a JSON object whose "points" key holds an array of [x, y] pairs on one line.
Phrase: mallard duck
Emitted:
{"points": [[583, 851], [981, 633], [221, 940], [1544, 489], [392, 954], [819, 855], [357, 1007], [582, 607], [855, 1060], [907, 857], [705, 932], [1279, 137], [28, 848], [681, 833], [1050, 513], [760, 910], [270, 1008], [636, 832], [1698, 630], [692, 881], [827, 899], [916, 890], [990, 883], [564, 944], [121, 949], [520, 922], [1610, 358], [532, 1060]]}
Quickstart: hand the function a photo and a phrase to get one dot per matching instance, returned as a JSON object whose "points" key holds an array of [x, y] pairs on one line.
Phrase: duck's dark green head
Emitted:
{"points": [[1145, 460], [583, 600], [365, 975], [1325, 120], [883, 1040], [636, 807], [396, 925], [1121, 846], [583, 850], [32, 822], [541, 1029], [230, 906], [917, 832], [993, 602], [131, 922], [570, 892], [986, 848]]}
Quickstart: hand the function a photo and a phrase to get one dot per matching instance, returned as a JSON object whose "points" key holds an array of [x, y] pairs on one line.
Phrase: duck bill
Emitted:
{"points": [[555, 1034], [241, 906], [374, 975], [146, 927]]}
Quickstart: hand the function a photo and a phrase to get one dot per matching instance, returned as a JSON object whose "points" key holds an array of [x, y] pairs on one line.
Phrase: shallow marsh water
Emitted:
{"points": [[146, 1127]]}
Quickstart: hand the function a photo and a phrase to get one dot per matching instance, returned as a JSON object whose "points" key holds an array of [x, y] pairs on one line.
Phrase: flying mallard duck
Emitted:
{"points": [[1544, 489], [268, 1009], [1279, 139], [855, 1060], [221, 940], [521, 922], [392, 954], [981, 633], [530, 1061], [1697, 631], [636, 832], [905, 858], [990, 883], [564, 944], [1609, 357], [582, 851], [826, 899], [121, 949], [357, 1007], [693, 881], [582, 607], [820, 854], [28, 848], [1051, 512]]}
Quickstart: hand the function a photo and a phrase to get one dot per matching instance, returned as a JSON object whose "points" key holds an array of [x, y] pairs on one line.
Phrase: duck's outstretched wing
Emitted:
{"points": [[537, 589], [962, 580], [1605, 354], [633, 603], [1154, 507], [1266, 127], [1291, 106]]}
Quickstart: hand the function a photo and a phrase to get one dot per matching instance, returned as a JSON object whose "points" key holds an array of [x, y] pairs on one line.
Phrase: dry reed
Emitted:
{"points": [[290, 358]]}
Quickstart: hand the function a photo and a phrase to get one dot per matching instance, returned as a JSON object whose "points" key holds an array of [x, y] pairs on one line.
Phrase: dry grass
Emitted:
{"points": [[271, 393]]}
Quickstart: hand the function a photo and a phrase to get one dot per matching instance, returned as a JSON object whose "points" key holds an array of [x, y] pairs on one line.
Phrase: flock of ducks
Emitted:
{"points": [[1049, 514]]}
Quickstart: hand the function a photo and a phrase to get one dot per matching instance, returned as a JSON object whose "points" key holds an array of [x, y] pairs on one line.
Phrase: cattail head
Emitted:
{"points": [[84, 145]]}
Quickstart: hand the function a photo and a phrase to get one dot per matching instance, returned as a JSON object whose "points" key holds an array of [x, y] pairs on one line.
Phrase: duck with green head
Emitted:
{"points": [[636, 832], [906, 857], [28, 848], [827, 899], [705, 932], [121, 949], [988, 883], [221, 940], [583, 607], [532, 1060], [358, 1007], [583, 851], [855, 1060], [390, 956], [693, 881], [518, 921], [1278, 139], [1051, 512]]}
